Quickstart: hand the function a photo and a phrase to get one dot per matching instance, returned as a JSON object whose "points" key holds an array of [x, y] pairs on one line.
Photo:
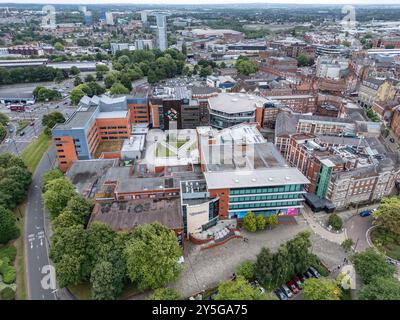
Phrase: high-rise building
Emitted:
{"points": [[143, 16], [162, 40], [88, 18], [109, 18]]}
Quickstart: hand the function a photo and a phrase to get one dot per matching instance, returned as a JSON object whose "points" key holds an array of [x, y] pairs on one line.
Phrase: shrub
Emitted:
{"points": [[250, 222], [4, 264], [7, 294], [273, 220], [347, 244], [9, 275], [260, 222], [335, 221], [9, 252], [246, 269]]}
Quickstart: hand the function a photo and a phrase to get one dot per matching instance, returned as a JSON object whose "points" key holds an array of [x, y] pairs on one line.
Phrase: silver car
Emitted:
{"points": [[287, 291]]}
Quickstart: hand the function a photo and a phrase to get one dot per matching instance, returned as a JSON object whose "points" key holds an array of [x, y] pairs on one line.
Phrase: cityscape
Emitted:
{"points": [[184, 151]]}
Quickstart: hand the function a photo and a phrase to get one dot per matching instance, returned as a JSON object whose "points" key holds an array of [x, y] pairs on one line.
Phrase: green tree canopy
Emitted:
{"points": [[381, 288], [388, 215], [370, 264], [239, 289], [164, 294], [107, 281], [58, 192], [8, 226], [4, 119], [118, 88], [321, 289], [152, 256], [246, 270], [245, 66], [250, 222], [75, 70], [261, 222], [52, 118], [299, 251], [263, 267]]}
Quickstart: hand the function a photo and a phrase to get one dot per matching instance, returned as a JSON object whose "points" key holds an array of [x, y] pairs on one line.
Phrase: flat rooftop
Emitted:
{"points": [[254, 178], [112, 115], [78, 119], [126, 215], [235, 102]]}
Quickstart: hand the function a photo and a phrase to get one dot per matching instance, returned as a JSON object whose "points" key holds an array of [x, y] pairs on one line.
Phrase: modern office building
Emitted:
{"points": [[247, 173], [95, 120], [109, 18]]}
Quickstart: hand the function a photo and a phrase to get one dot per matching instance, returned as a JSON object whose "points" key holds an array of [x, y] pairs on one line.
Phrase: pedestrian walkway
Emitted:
{"points": [[321, 231]]}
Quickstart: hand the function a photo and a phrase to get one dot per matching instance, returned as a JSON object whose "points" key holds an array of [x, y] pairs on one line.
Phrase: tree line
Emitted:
{"points": [[31, 74]]}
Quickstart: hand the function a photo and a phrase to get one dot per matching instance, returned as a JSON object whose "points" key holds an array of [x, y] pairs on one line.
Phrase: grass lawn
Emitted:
{"points": [[22, 124], [20, 258], [34, 152], [164, 152], [386, 244]]}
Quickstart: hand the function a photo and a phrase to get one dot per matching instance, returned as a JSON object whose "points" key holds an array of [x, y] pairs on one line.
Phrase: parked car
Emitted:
{"points": [[298, 282], [22, 133], [280, 294], [307, 275], [32, 124], [314, 272], [292, 286], [365, 213], [391, 140], [286, 291]]}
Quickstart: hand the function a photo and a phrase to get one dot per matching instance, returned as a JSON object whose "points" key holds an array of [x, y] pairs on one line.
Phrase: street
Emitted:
{"points": [[36, 236]]}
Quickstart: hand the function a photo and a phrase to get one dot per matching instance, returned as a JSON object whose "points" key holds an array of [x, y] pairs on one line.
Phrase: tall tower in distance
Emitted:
{"points": [[162, 40], [109, 18]]}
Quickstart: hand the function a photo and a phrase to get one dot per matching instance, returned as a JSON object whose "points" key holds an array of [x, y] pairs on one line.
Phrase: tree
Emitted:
{"points": [[381, 288], [8, 160], [58, 192], [59, 76], [8, 226], [387, 216], [152, 77], [321, 289], [222, 65], [51, 175], [245, 66], [282, 265], [89, 78], [107, 281], [3, 132], [164, 294], [263, 267], [304, 60], [52, 118], [260, 219], [69, 270], [298, 251], [77, 81], [4, 119], [75, 70], [238, 289], [111, 77], [335, 221], [246, 270], [95, 88], [272, 220], [370, 264], [76, 95], [80, 208], [152, 256], [58, 46], [250, 222], [118, 88], [347, 244], [207, 71]]}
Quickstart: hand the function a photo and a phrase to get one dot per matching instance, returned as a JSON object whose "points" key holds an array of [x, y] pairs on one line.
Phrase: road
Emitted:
{"points": [[356, 228], [36, 236]]}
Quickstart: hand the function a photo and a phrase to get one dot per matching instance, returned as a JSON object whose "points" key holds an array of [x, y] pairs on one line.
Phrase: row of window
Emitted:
{"points": [[269, 197], [263, 205], [255, 190]]}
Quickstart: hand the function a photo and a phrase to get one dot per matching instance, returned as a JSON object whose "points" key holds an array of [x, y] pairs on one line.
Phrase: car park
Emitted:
{"points": [[292, 286], [280, 294], [314, 272], [286, 291]]}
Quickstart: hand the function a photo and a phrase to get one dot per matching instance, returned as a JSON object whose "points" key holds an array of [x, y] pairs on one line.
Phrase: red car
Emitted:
{"points": [[298, 282], [292, 287]]}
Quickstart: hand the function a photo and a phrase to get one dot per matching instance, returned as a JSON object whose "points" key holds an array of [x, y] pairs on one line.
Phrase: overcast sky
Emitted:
{"points": [[204, 1]]}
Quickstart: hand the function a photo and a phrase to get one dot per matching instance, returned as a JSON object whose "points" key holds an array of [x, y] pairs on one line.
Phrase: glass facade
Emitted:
{"points": [[266, 200]]}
